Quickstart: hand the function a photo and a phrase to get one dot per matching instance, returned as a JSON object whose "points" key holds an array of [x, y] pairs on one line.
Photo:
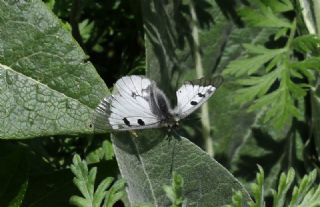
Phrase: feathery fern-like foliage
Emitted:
{"points": [[174, 192], [305, 194], [275, 78], [106, 194]]}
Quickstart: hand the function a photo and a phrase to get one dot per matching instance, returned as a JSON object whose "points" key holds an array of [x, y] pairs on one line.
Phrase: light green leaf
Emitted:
{"points": [[257, 87], [105, 152], [309, 63], [174, 191], [115, 193], [279, 196], [312, 198], [306, 194], [306, 43], [18, 199], [300, 191], [30, 109], [279, 5], [256, 49], [281, 33], [251, 65], [47, 86], [264, 17], [105, 195]]}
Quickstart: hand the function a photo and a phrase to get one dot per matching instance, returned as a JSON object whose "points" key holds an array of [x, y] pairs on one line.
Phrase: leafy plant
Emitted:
{"points": [[275, 77], [305, 194], [106, 194], [174, 192], [49, 91]]}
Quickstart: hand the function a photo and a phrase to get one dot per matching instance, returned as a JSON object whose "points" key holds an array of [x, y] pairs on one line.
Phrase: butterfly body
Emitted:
{"points": [[137, 103]]}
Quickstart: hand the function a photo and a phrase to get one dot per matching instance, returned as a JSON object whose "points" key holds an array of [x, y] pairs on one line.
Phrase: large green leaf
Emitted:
{"points": [[30, 109], [47, 86], [147, 162]]}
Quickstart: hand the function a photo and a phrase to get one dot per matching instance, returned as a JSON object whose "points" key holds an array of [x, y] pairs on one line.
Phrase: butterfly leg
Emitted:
{"points": [[134, 134]]}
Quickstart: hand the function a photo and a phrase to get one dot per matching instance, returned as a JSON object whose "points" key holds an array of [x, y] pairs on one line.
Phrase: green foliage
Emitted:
{"points": [[106, 194], [104, 152], [49, 89], [13, 177], [174, 192], [273, 78], [305, 194], [110, 32], [151, 166]]}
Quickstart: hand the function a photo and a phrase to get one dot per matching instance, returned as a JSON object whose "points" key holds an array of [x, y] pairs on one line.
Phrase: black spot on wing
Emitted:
{"points": [[133, 94], [140, 122], [126, 121], [193, 103], [201, 95]]}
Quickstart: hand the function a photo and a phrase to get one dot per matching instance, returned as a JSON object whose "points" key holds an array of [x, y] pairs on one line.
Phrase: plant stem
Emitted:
{"points": [[316, 7], [307, 14], [205, 121], [291, 34]]}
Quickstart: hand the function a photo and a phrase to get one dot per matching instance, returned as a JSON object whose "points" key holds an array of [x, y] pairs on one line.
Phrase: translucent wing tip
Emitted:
{"points": [[100, 117], [216, 81]]}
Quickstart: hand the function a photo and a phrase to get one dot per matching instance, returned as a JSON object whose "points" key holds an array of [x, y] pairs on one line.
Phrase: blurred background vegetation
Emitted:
{"points": [[253, 127], [110, 33]]}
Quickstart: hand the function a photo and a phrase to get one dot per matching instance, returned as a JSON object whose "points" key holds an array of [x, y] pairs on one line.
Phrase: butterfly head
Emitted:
{"points": [[173, 121]]}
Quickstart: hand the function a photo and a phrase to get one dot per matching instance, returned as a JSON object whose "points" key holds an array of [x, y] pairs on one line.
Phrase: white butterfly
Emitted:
{"points": [[137, 103]]}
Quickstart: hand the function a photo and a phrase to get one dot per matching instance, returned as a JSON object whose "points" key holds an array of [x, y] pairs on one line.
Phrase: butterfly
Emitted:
{"points": [[137, 103]]}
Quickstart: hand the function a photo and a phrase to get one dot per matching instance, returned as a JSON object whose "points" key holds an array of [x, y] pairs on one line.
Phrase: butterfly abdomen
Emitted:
{"points": [[159, 104]]}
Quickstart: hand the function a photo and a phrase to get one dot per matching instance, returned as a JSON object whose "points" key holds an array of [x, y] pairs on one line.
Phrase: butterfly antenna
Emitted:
{"points": [[173, 133], [172, 156]]}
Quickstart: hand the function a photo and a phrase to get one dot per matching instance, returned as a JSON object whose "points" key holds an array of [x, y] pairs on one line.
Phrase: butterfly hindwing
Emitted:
{"points": [[128, 108], [137, 103], [192, 94]]}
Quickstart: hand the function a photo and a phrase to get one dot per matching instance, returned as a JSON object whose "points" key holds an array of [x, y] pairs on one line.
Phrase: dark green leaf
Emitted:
{"points": [[13, 176], [147, 162], [315, 106]]}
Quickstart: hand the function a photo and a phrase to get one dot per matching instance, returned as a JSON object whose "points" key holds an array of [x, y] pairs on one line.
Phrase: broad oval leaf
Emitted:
{"points": [[147, 162], [47, 86]]}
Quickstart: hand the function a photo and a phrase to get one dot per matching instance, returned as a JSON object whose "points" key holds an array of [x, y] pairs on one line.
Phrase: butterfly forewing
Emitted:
{"points": [[137, 103], [128, 108], [192, 94]]}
